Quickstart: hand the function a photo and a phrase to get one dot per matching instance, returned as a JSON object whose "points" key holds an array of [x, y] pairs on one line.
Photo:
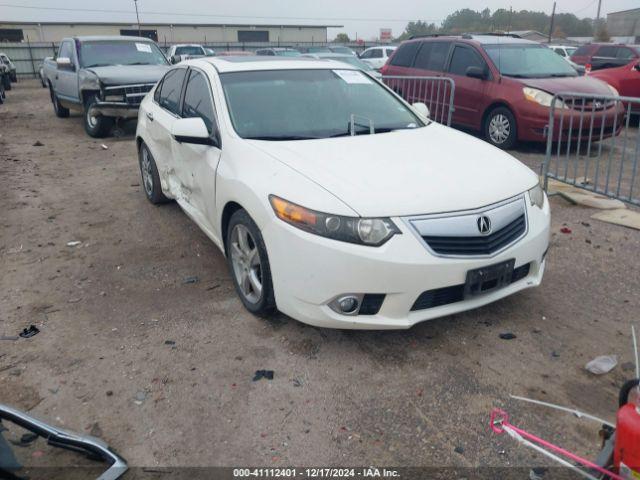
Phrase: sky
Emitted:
{"points": [[363, 18]]}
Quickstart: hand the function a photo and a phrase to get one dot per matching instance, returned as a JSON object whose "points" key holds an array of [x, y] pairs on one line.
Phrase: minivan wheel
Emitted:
{"points": [[150, 176], [249, 264], [96, 125], [500, 128], [59, 110]]}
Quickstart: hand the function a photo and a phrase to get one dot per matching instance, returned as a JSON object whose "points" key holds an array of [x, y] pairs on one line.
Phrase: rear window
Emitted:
{"points": [[432, 56], [405, 54], [583, 50]]}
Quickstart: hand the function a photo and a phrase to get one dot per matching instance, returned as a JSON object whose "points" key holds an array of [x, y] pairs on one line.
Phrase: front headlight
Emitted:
{"points": [[541, 97], [614, 92], [364, 231], [536, 196]]}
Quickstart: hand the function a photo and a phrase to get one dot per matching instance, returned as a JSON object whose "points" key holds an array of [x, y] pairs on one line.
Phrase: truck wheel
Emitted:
{"points": [[14, 77], [2, 94], [59, 110], [96, 125], [6, 81]]}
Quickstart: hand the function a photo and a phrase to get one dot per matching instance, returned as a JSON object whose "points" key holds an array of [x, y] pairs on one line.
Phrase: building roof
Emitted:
{"points": [[174, 24], [635, 10]]}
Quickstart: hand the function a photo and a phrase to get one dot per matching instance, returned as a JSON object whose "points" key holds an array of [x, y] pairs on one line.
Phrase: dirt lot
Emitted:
{"points": [[110, 308]]}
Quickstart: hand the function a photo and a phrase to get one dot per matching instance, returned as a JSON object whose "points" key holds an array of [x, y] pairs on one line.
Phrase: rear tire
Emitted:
{"points": [[6, 81], [58, 109], [150, 176], [96, 126], [500, 128], [249, 264], [14, 77]]}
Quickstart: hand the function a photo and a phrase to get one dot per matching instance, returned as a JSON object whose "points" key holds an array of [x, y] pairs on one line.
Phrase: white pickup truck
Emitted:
{"points": [[104, 77]]}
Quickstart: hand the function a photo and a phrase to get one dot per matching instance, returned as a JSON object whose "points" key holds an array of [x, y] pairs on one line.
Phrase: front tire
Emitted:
{"points": [[150, 176], [249, 264], [500, 128], [96, 125], [6, 81]]}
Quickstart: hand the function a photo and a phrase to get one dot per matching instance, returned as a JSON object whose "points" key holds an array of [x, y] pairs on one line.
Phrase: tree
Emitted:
{"points": [[602, 34], [342, 38], [417, 28]]}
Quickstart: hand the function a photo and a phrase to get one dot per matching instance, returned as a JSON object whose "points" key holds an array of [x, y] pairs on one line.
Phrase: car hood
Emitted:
{"points": [[129, 74], [408, 172], [568, 84]]}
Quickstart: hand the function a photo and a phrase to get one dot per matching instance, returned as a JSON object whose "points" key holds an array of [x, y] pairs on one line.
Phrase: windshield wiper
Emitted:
{"points": [[281, 138], [518, 75]]}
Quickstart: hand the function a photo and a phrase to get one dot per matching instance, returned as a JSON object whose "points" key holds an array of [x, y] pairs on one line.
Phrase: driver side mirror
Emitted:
{"points": [[65, 63], [421, 109], [476, 72], [192, 130]]}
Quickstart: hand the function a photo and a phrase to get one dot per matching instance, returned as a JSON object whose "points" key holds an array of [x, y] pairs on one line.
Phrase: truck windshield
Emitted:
{"points": [[529, 61], [118, 52], [312, 104], [189, 50]]}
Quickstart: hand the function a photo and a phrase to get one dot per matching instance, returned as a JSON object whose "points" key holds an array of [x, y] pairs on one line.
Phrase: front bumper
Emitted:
{"points": [[115, 109], [309, 271]]}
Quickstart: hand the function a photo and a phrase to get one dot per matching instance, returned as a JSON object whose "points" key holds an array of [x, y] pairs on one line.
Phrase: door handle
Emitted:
{"points": [[150, 116]]}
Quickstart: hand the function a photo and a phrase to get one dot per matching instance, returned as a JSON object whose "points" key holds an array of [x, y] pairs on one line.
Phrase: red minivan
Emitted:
{"points": [[504, 86], [605, 55], [625, 79]]}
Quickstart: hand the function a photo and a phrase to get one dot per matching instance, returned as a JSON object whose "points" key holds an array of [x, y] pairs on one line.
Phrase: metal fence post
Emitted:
{"points": [[33, 65]]}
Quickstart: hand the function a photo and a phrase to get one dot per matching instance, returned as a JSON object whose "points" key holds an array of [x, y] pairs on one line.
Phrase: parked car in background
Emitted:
{"points": [[342, 49], [105, 77], [278, 52], [503, 85], [605, 55], [209, 52], [314, 49], [43, 79], [564, 51], [4, 71], [234, 53], [625, 79], [180, 52], [349, 229], [13, 72], [348, 59], [377, 56], [5, 78]]}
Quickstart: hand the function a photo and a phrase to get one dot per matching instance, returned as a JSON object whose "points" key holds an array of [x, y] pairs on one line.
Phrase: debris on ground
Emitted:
{"points": [[38, 144], [169, 342], [507, 336], [260, 374], [73, 243], [29, 332], [140, 398], [9, 337], [603, 364], [565, 230], [25, 440], [592, 200], [104, 147], [459, 450], [297, 382], [622, 217], [192, 279]]}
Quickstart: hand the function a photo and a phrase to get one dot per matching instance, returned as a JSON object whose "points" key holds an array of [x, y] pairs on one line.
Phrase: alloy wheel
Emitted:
{"points": [[245, 259], [499, 128], [147, 173]]}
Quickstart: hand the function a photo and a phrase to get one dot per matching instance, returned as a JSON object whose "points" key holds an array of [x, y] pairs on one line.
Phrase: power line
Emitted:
{"points": [[127, 12]]}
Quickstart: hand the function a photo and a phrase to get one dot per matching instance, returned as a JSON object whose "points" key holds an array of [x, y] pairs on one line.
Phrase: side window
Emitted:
{"points": [[377, 53], [389, 51], [171, 88], [198, 101], [607, 51], [66, 50], [405, 54], [559, 51], [625, 53], [156, 93], [432, 56], [464, 58]]}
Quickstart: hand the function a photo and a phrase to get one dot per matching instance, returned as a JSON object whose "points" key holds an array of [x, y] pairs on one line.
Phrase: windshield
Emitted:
{"points": [[351, 60], [117, 52], [345, 50], [318, 50], [287, 53], [571, 50], [304, 104], [528, 61], [189, 50]]}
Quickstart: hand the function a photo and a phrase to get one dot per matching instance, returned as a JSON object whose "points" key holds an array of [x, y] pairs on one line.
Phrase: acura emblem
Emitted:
{"points": [[484, 225]]}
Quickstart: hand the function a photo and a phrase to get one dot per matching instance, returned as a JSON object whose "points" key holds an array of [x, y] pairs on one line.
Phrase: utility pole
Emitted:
{"points": [[553, 15], [599, 7], [510, 15], [135, 2]]}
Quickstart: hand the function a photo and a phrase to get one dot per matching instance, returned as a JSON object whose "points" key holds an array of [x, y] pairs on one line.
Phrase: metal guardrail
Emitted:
{"points": [[437, 93], [593, 143]]}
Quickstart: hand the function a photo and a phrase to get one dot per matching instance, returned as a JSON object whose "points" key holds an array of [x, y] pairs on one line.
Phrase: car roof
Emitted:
{"points": [[254, 63], [187, 45], [98, 38], [381, 47], [332, 55], [483, 39]]}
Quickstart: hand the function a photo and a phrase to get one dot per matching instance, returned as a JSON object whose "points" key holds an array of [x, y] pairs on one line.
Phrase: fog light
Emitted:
{"points": [[346, 304]]}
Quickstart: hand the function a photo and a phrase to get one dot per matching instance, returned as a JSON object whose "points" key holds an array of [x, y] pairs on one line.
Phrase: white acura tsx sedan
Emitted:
{"points": [[335, 201]]}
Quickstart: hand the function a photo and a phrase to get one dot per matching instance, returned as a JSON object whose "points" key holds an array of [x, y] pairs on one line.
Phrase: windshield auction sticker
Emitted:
{"points": [[352, 76], [143, 47]]}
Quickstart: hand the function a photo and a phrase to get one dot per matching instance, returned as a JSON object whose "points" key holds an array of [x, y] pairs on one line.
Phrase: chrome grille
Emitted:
{"points": [[131, 94], [458, 234]]}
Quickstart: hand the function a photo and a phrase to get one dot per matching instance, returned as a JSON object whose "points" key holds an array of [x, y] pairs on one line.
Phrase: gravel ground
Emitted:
{"points": [[162, 368]]}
